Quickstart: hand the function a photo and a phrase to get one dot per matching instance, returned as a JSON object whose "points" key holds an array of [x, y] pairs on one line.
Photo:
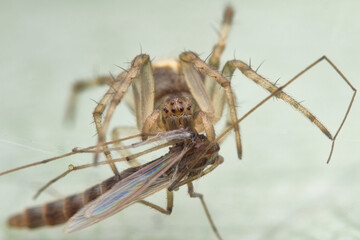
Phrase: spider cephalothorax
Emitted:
{"points": [[177, 112]]}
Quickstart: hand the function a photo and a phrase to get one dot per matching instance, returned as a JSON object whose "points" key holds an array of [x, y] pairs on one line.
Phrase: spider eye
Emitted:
{"points": [[181, 109], [166, 110], [173, 110], [188, 107]]}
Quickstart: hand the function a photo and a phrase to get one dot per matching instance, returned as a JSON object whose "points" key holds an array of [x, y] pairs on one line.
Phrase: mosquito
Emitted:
{"points": [[190, 157], [181, 94]]}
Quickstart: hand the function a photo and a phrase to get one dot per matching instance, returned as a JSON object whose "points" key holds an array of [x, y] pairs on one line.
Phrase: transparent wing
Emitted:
{"points": [[137, 186]]}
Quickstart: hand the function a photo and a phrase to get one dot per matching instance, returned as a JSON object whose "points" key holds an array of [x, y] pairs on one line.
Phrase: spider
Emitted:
{"points": [[179, 93]]}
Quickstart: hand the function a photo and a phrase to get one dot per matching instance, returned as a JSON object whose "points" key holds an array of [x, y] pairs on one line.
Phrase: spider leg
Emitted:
{"points": [[99, 109], [152, 122], [140, 73], [278, 92], [214, 60], [202, 119], [144, 92], [232, 65], [191, 64], [80, 86], [85, 84], [218, 98]]}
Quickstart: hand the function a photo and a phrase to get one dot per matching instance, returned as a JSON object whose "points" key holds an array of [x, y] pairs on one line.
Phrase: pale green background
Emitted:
{"points": [[282, 189]]}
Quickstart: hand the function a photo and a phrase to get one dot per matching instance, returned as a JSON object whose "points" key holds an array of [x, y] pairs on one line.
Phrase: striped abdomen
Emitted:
{"points": [[60, 211]]}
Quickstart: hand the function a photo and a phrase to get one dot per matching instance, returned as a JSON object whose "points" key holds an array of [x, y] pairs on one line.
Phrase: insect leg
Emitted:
{"points": [[73, 152], [201, 197], [115, 134], [72, 168], [219, 160], [169, 204]]}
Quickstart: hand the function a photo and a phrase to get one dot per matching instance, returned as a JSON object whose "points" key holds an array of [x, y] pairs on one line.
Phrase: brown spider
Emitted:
{"points": [[179, 93]]}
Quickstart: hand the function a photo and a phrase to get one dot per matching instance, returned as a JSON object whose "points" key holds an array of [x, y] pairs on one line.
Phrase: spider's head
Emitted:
{"points": [[177, 112]]}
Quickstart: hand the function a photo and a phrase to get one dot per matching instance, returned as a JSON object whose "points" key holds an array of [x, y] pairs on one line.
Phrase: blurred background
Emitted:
{"points": [[282, 189]]}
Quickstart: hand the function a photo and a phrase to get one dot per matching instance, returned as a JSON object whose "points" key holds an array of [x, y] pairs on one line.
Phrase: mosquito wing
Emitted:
{"points": [[142, 183]]}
